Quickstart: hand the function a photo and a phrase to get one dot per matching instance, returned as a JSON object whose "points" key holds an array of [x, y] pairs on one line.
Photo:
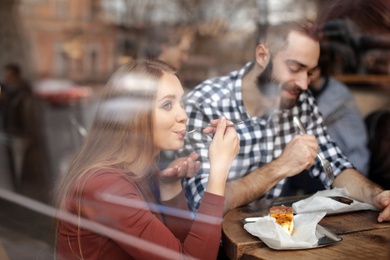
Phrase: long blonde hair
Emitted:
{"points": [[122, 131]]}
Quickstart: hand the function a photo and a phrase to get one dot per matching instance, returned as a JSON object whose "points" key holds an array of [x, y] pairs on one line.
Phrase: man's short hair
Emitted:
{"points": [[276, 36]]}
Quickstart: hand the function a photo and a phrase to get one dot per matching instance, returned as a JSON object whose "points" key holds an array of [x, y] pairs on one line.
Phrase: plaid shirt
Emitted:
{"points": [[262, 139]]}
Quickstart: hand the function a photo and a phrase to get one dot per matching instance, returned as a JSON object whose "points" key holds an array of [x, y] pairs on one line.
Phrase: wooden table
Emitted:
{"points": [[363, 237]]}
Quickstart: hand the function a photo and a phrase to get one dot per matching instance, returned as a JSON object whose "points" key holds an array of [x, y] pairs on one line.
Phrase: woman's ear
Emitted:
{"points": [[262, 55]]}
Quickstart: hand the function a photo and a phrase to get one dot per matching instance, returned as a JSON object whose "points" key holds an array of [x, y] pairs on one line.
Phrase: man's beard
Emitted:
{"points": [[272, 88], [266, 83], [288, 103]]}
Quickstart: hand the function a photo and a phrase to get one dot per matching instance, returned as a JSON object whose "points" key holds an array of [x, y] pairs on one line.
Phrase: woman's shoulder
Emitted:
{"points": [[110, 180]]}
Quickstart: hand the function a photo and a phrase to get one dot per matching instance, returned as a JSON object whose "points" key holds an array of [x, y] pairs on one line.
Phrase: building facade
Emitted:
{"points": [[68, 40]]}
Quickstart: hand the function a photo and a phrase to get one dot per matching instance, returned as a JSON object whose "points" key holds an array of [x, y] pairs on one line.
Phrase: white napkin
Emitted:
{"points": [[273, 235], [320, 202]]}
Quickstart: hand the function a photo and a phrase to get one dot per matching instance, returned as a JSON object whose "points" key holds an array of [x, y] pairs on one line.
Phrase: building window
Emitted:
{"points": [[93, 58]]}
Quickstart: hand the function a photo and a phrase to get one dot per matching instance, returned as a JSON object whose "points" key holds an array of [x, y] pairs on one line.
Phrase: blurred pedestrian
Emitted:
{"points": [[18, 119], [14, 93]]}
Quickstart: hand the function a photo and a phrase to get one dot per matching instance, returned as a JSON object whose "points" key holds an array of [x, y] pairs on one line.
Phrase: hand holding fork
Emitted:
{"points": [[324, 162]]}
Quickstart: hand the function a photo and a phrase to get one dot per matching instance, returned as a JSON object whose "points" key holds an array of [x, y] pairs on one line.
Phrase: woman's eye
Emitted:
{"points": [[167, 105]]}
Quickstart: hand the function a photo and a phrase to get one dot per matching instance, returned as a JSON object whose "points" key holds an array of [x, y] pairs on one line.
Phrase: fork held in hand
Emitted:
{"points": [[324, 162], [200, 129]]}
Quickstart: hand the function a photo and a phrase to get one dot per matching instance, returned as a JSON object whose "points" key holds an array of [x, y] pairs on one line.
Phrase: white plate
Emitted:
{"points": [[325, 237]]}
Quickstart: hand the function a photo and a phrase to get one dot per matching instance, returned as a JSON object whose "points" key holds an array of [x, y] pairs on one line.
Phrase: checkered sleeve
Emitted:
{"points": [[327, 147], [199, 116]]}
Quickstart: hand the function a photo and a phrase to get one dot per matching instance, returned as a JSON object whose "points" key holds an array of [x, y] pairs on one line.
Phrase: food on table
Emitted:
{"points": [[284, 216]]}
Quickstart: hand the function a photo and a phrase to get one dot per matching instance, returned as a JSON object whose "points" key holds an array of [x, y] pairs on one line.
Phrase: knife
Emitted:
{"points": [[342, 199]]}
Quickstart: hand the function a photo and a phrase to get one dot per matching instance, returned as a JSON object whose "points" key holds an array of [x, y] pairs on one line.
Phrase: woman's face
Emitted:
{"points": [[169, 116]]}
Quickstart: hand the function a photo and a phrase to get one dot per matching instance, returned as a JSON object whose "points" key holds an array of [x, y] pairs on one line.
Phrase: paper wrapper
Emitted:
{"points": [[274, 236], [320, 202]]}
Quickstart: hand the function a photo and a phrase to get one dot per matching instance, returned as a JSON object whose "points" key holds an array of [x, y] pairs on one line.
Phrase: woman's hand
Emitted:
{"points": [[181, 167], [170, 178], [223, 150]]}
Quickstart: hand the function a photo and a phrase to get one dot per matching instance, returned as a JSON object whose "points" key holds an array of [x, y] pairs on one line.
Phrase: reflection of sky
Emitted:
{"points": [[154, 11], [120, 109], [240, 17], [289, 10]]}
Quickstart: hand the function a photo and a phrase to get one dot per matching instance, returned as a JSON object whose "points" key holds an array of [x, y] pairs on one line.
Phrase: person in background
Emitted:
{"points": [[262, 98], [14, 92], [341, 114], [378, 127], [373, 40], [18, 123], [167, 43], [371, 17], [114, 180]]}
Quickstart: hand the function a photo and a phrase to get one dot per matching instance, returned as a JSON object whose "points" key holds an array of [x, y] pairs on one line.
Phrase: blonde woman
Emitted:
{"points": [[114, 180]]}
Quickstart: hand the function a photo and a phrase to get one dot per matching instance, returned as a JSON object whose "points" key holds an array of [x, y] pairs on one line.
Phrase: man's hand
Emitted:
{"points": [[182, 167], [299, 154], [362, 189], [382, 202]]}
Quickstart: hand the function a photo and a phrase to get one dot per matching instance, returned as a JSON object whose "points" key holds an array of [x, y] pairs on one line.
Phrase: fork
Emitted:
{"points": [[213, 125], [324, 162]]}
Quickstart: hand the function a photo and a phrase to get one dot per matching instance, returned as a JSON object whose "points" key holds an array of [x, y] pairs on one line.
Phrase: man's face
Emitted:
{"points": [[292, 67]]}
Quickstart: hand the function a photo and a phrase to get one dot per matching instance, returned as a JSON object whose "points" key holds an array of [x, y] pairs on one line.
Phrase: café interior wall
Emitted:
{"points": [[369, 100]]}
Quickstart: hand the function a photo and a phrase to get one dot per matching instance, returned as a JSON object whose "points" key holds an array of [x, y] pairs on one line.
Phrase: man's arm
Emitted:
{"points": [[360, 188], [254, 185], [298, 155]]}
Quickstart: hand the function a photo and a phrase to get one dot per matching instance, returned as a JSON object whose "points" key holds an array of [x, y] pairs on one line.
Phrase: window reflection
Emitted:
{"points": [[75, 47]]}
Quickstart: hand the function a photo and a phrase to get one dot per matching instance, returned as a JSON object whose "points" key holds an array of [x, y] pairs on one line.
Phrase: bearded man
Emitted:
{"points": [[262, 98]]}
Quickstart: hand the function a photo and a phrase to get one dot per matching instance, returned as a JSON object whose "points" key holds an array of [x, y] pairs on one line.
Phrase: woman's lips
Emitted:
{"points": [[181, 134]]}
